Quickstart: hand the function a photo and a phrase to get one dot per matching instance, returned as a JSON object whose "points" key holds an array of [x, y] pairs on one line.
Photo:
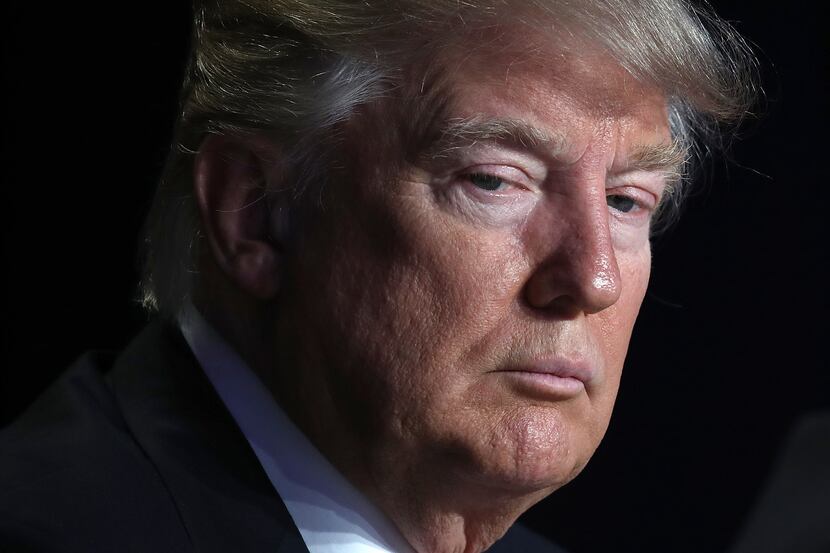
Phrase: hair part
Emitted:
{"points": [[298, 70]]}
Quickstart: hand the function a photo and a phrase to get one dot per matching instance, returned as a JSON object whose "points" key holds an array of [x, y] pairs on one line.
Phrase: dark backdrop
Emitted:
{"points": [[728, 351]]}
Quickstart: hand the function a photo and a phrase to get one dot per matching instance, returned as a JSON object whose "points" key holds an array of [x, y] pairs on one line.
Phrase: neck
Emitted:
{"points": [[432, 526], [446, 512]]}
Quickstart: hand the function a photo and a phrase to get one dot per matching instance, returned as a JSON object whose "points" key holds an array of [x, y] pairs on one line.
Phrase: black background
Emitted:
{"points": [[727, 353]]}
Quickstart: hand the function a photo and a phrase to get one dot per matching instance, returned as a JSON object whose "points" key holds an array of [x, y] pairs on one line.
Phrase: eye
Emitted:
{"points": [[621, 203], [486, 181]]}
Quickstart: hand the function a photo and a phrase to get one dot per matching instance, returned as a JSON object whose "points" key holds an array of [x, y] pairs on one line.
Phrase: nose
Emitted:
{"points": [[578, 271]]}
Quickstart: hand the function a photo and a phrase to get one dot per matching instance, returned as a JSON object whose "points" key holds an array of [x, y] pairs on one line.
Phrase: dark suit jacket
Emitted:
{"points": [[138, 453]]}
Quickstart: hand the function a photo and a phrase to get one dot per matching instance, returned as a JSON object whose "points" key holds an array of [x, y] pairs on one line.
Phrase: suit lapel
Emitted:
{"points": [[224, 498]]}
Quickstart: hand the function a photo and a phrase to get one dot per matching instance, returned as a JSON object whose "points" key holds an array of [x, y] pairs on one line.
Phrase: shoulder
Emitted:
{"points": [[520, 539], [62, 472]]}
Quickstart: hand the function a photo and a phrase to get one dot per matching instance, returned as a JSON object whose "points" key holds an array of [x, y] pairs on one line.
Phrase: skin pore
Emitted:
{"points": [[421, 318]]}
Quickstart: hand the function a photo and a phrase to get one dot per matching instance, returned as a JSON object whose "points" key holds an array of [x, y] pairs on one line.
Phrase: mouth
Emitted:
{"points": [[550, 379]]}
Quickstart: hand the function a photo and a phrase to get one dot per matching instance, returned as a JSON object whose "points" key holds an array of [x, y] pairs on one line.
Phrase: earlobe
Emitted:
{"points": [[231, 177]]}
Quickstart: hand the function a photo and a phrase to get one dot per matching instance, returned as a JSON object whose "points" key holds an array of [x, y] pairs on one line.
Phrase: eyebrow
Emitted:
{"points": [[465, 132], [667, 158]]}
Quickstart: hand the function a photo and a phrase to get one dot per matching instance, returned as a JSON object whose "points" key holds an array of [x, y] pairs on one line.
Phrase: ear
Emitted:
{"points": [[231, 179]]}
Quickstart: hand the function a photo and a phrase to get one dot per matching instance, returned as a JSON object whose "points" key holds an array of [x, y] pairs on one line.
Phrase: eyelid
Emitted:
{"points": [[508, 173], [499, 154], [650, 183]]}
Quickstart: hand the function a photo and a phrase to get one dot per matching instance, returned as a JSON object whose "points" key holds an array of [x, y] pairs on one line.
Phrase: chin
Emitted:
{"points": [[534, 450]]}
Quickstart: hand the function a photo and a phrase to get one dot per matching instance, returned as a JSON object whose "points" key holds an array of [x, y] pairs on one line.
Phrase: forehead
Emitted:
{"points": [[570, 90]]}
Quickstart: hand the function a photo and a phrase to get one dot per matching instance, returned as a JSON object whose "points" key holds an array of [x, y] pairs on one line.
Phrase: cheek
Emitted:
{"points": [[465, 275], [414, 293], [462, 283]]}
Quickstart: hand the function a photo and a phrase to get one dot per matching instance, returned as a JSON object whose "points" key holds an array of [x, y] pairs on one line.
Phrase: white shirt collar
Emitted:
{"points": [[331, 514]]}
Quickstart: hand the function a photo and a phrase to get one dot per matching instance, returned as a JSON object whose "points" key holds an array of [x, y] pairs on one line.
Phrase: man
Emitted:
{"points": [[397, 255]]}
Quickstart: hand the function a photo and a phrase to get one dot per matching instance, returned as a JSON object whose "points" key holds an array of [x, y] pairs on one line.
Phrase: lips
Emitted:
{"points": [[560, 378]]}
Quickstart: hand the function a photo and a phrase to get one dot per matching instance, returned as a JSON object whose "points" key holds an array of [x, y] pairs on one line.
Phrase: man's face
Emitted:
{"points": [[467, 321]]}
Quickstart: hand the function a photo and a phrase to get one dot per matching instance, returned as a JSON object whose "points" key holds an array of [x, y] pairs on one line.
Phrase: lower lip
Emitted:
{"points": [[546, 384]]}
